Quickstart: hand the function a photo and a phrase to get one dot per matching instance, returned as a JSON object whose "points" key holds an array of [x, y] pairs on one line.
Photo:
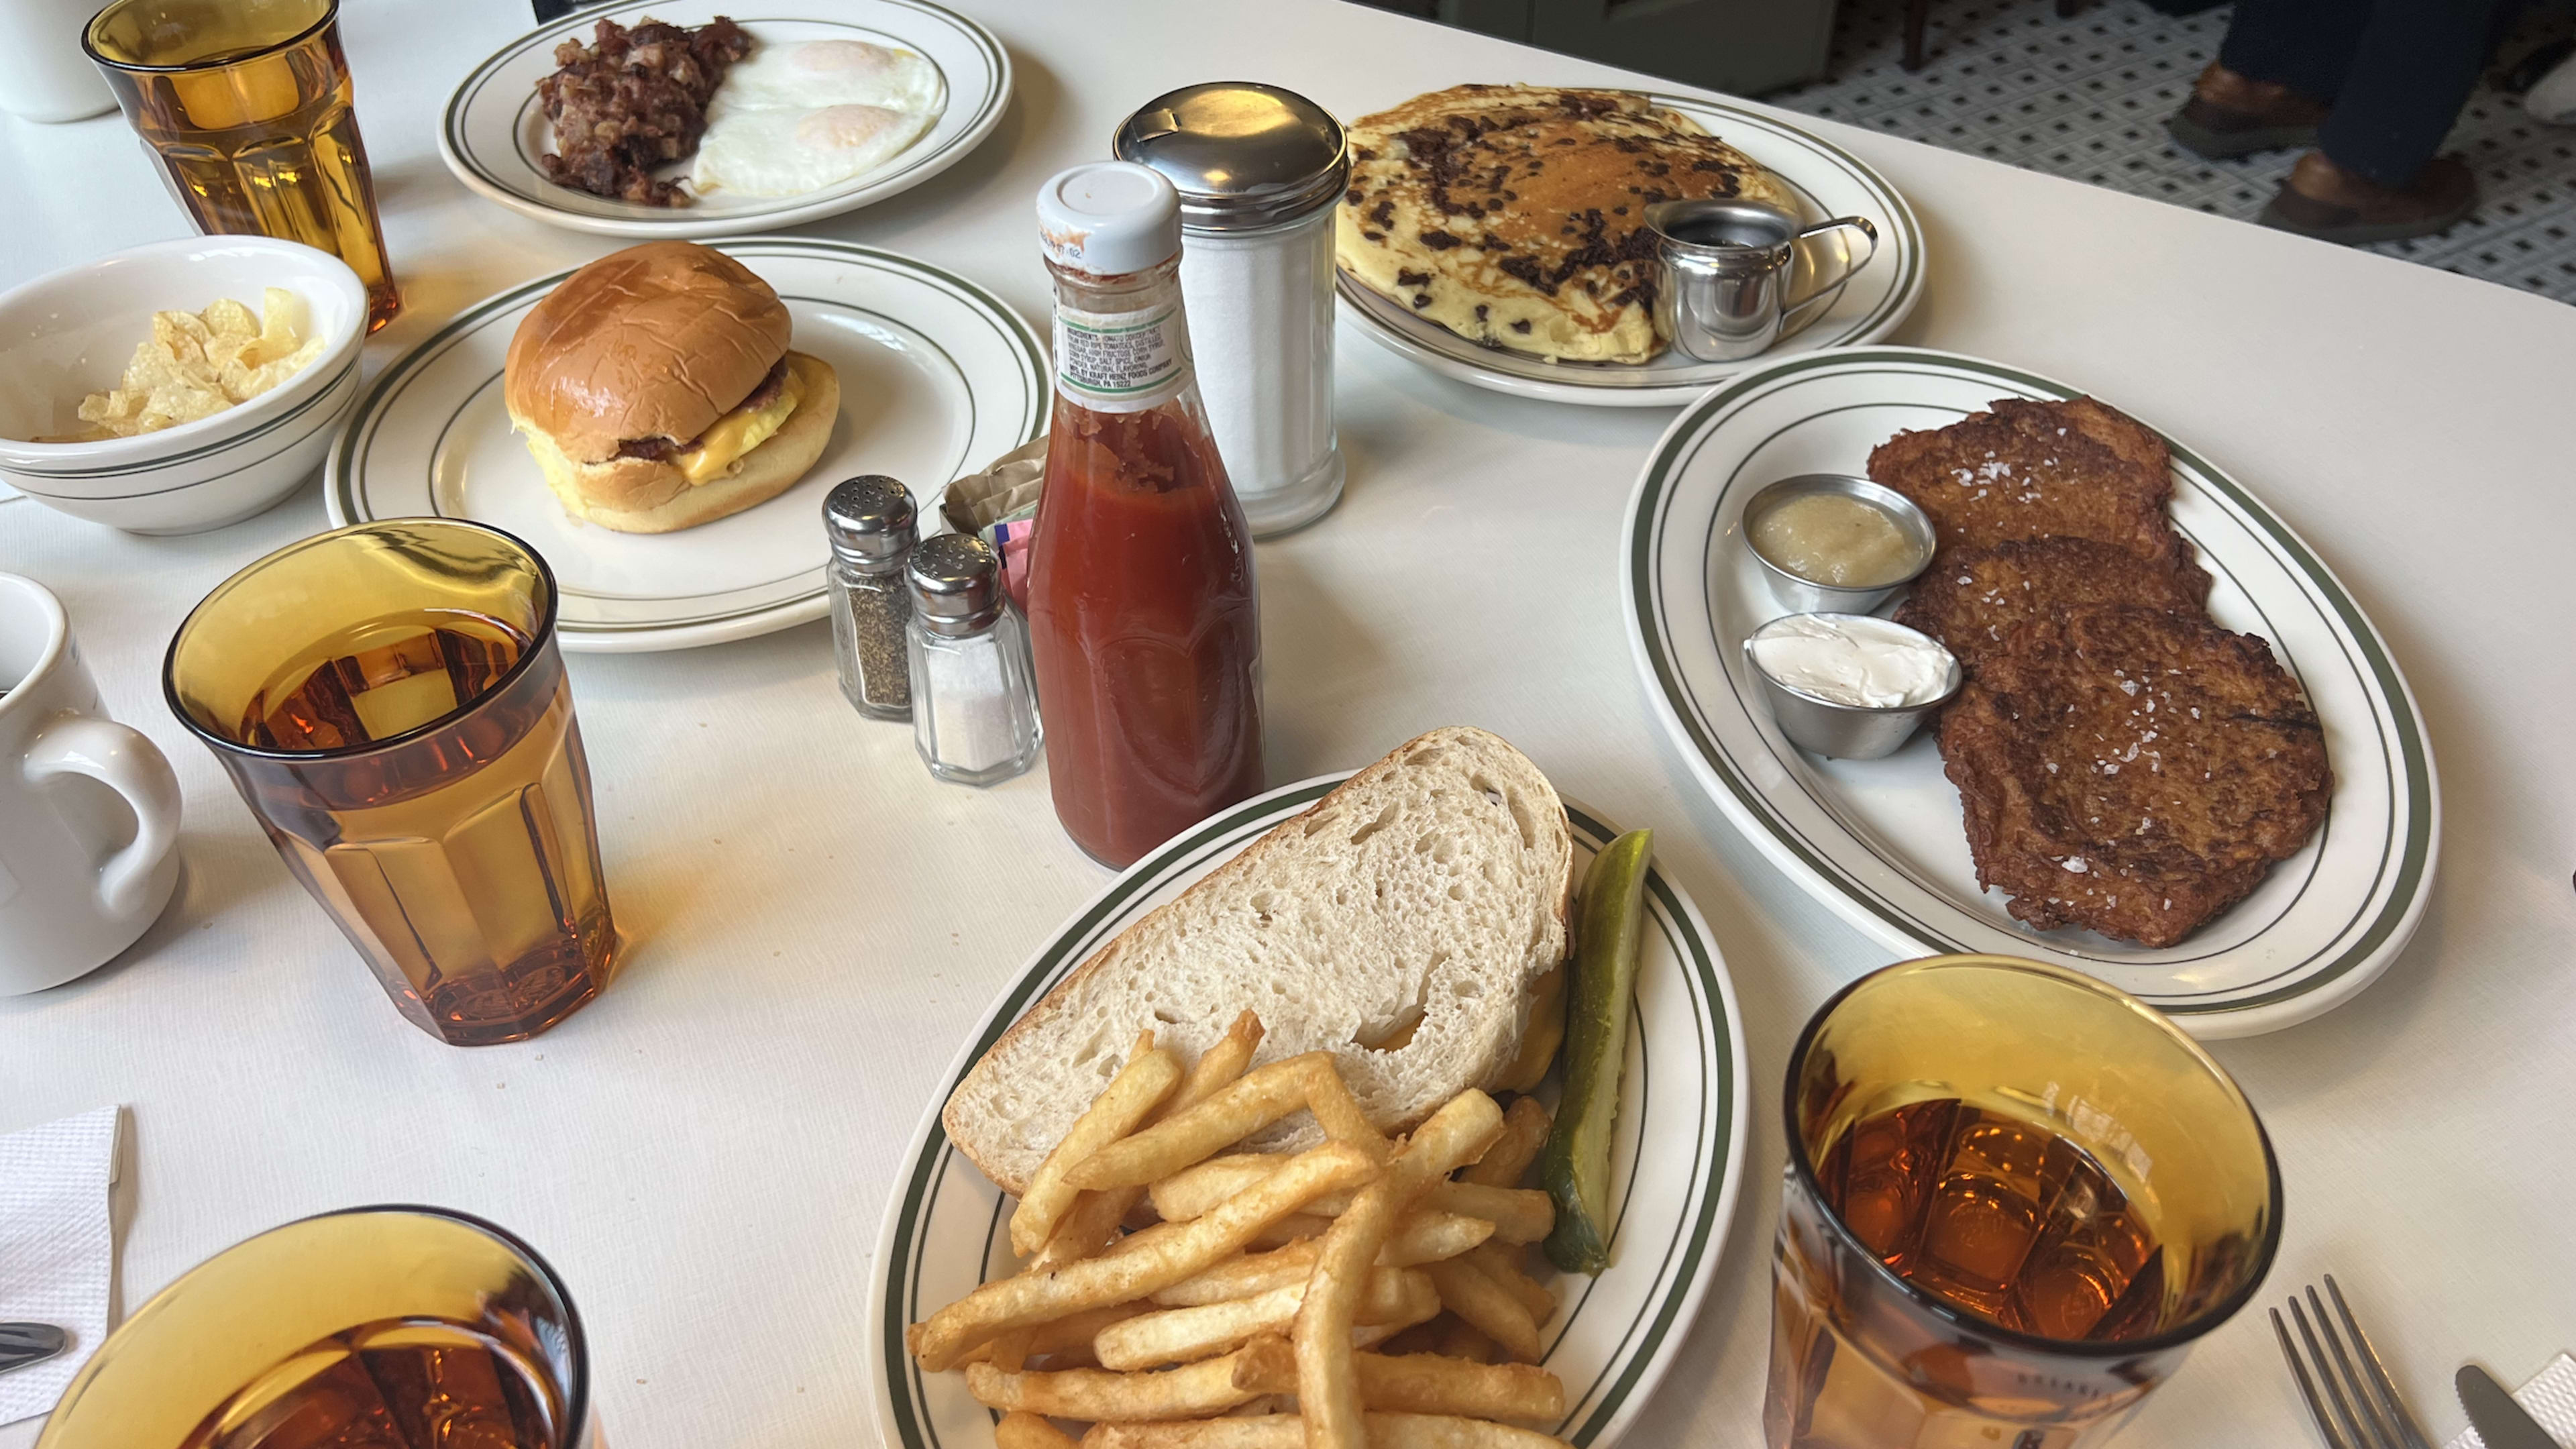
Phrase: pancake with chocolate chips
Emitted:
{"points": [[1514, 216]]}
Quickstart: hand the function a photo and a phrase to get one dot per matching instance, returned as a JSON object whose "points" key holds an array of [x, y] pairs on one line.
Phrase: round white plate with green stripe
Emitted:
{"points": [[494, 130], [938, 378], [1829, 181], [1881, 841], [1612, 1336]]}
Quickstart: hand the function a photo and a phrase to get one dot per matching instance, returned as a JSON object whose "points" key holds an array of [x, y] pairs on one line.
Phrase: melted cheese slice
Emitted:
{"points": [[724, 442]]}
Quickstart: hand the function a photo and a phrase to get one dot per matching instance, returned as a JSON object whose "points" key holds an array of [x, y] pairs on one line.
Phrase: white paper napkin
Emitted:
{"points": [[2551, 1398], [56, 1248]]}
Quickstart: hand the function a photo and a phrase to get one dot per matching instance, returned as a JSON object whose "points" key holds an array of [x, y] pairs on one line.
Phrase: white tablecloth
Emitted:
{"points": [[704, 1152]]}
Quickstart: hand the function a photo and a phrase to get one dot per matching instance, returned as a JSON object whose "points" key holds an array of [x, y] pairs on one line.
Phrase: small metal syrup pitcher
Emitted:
{"points": [[1737, 276]]}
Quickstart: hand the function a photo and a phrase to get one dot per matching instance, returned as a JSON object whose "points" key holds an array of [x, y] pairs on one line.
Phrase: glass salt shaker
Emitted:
{"points": [[871, 523], [1260, 171], [974, 707]]}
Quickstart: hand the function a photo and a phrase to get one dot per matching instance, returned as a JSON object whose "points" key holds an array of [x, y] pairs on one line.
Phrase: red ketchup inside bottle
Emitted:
{"points": [[1145, 628]]}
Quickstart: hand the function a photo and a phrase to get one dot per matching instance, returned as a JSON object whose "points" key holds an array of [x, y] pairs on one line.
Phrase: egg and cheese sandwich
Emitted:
{"points": [[656, 390]]}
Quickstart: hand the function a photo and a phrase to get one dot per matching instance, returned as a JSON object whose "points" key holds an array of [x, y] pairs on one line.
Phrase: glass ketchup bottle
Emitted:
{"points": [[1143, 619]]}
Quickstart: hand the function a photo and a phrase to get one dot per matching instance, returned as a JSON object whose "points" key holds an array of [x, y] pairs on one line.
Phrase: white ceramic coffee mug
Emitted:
{"points": [[44, 74], [89, 811]]}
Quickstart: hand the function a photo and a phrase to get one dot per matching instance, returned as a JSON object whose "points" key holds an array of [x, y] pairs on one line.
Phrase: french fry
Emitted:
{"points": [[1327, 1392], [1193, 1190], [1519, 1214], [1423, 1238], [1294, 1228], [1461, 1339], [1176, 1251], [1426, 1383], [1487, 1304], [1122, 1106], [1205, 1387], [1252, 1102], [1179, 1335], [1009, 1352], [1428, 1237], [1498, 1263], [1287, 1431], [1020, 1429], [1093, 1223], [1508, 1161]]}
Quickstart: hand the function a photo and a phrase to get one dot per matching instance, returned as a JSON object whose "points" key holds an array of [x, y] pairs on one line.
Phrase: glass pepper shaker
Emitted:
{"points": [[871, 522], [974, 713]]}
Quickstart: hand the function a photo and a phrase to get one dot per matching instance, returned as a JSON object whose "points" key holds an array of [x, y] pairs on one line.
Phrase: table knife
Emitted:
{"points": [[24, 1343], [2501, 1422]]}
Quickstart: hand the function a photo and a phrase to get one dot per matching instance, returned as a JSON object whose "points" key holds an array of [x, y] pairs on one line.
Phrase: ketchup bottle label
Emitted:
{"points": [[1121, 362]]}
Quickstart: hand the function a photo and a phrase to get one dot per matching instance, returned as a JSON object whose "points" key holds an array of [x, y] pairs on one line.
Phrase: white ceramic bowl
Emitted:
{"points": [[71, 333]]}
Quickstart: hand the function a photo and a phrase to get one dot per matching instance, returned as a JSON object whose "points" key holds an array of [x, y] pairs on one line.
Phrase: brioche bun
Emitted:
{"points": [[659, 341]]}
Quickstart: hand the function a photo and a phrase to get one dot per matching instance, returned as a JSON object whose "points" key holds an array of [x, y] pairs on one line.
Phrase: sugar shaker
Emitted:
{"points": [[1260, 170], [871, 523], [974, 705]]}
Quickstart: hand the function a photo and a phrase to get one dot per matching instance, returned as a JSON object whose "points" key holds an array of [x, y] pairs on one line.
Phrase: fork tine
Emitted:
{"points": [[2366, 1437], [2374, 1426], [2307, 1386], [2410, 1433]]}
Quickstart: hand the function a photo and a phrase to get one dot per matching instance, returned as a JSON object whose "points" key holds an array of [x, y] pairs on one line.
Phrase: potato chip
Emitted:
{"points": [[198, 364]]}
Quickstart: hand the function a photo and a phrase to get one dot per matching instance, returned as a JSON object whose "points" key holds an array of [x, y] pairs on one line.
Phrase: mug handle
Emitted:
{"points": [[119, 757], [1826, 268]]}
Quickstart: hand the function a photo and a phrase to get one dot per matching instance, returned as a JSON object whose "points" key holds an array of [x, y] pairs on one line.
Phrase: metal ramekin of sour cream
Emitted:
{"points": [[1850, 686]]}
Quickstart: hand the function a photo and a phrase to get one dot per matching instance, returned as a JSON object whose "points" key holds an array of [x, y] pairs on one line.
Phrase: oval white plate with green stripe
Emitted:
{"points": [[494, 130], [1612, 1337], [1881, 841], [938, 378], [1829, 182]]}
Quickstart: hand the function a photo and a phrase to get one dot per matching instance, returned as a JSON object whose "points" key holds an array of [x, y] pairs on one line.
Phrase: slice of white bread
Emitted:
{"points": [[1430, 891]]}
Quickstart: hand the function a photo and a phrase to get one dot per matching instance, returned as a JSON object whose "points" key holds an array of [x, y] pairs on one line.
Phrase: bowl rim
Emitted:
{"points": [[147, 450]]}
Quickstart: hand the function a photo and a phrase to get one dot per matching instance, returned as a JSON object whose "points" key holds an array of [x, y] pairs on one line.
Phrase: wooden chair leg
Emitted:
{"points": [[1917, 14]]}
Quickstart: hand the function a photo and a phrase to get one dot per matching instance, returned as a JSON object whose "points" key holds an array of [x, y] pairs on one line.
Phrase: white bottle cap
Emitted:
{"points": [[1109, 217]]}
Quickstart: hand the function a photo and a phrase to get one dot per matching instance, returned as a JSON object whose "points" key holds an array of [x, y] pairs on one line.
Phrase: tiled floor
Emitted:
{"points": [[2087, 97]]}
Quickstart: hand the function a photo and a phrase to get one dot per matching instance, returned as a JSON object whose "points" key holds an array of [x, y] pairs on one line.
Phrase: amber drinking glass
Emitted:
{"points": [[374, 1328], [389, 699], [2015, 1197], [246, 104]]}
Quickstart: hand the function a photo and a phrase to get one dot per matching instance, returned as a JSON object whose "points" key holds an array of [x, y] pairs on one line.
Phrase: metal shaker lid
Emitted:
{"points": [[1244, 155], [870, 520], [956, 583]]}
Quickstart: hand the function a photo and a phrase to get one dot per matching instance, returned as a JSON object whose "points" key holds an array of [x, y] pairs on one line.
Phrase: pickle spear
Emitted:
{"points": [[1575, 1166]]}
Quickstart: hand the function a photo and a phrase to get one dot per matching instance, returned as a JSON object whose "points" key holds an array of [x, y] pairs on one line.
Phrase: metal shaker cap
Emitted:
{"points": [[1244, 155], [956, 584], [870, 520]]}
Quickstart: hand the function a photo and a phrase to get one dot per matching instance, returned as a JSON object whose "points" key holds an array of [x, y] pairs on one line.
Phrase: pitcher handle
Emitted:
{"points": [[119, 757], [1825, 268]]}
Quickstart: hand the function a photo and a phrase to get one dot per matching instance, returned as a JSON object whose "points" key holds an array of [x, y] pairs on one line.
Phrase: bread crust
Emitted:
{"points": [[656, 341], [1058, 999]]}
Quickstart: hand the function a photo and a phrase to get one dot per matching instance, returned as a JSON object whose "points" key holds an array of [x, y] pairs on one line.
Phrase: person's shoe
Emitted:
{"points": [[2552, 97], [2235, 115], [2327, 202]]}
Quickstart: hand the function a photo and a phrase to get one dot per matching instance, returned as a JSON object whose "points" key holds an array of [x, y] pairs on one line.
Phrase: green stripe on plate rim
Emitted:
{"points": [[452, 121], [344, 450], [2391, 686], [1717, 1130]]}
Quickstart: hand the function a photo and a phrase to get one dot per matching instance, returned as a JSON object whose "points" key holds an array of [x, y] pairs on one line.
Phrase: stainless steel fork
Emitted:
{"points": [[2366, 1411]]}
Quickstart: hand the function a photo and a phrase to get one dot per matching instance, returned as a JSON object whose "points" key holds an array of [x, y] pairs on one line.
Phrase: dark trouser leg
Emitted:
{"points": [[2411, 73], [2306, 45]]}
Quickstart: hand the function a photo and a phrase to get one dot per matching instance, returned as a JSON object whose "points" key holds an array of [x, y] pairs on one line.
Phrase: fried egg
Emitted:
{"points": [[798, 118]]}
